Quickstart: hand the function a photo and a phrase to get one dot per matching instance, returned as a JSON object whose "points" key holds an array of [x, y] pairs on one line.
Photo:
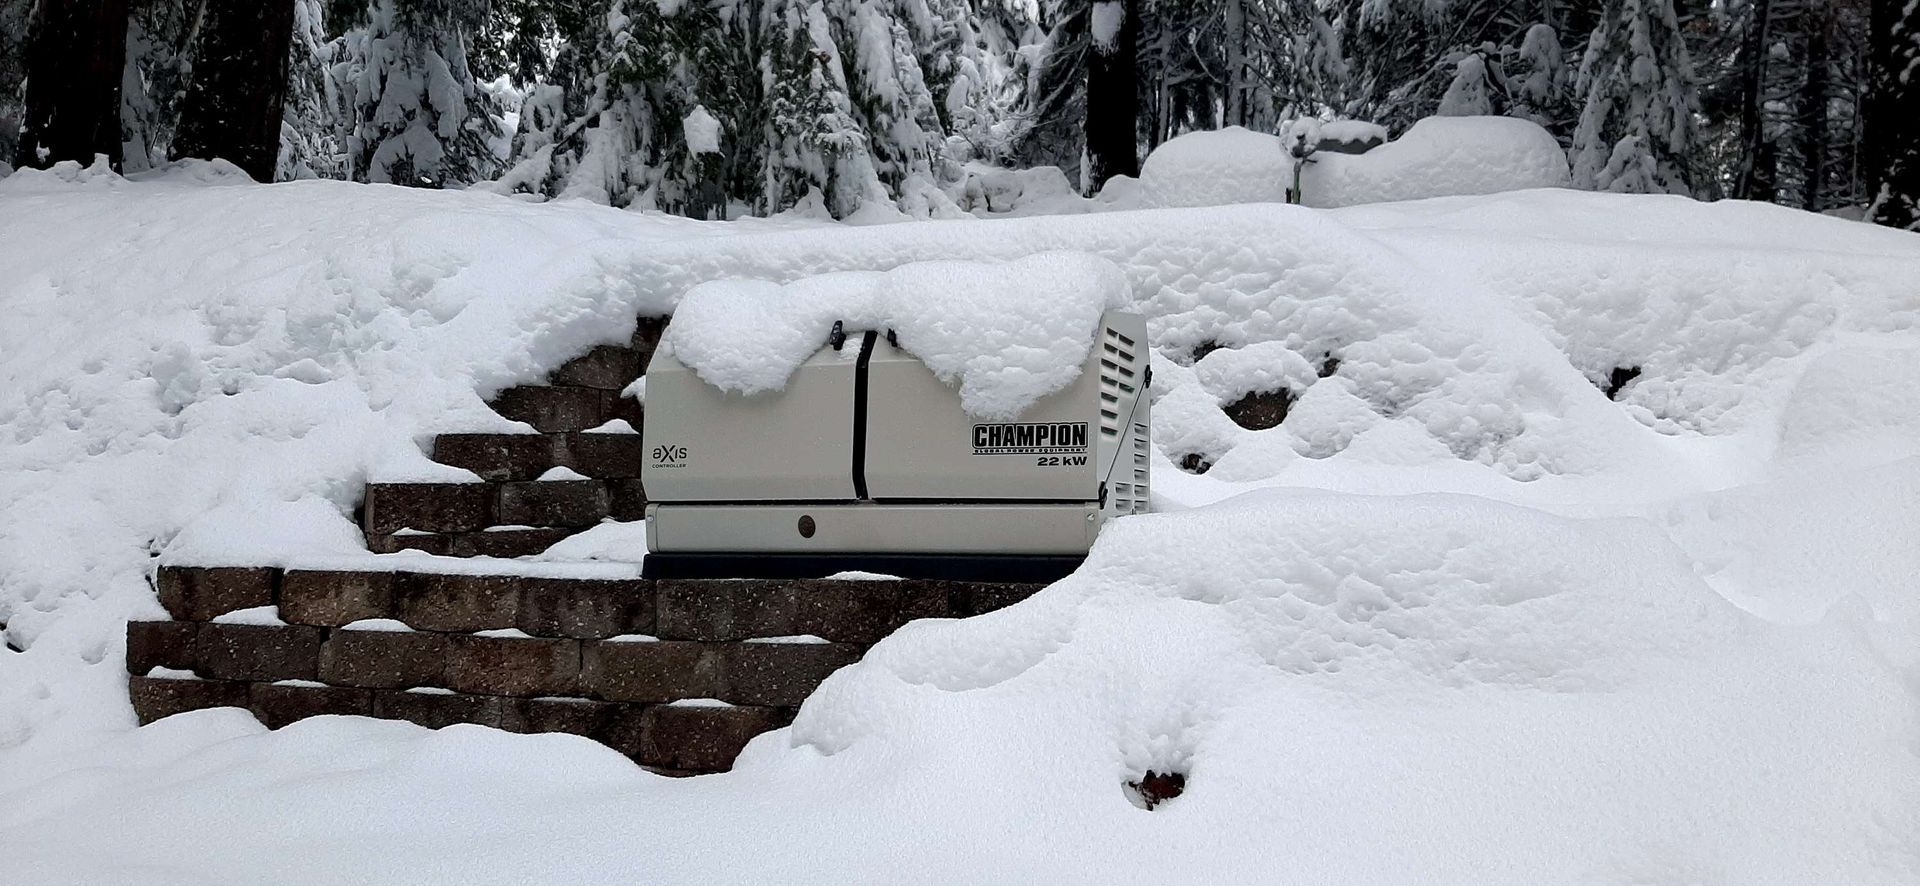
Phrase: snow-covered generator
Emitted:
{"points": [[866, 461]]}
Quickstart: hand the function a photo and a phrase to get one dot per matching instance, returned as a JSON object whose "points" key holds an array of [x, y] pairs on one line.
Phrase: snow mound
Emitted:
{"points": [[1436, 157], [1006, 334], [1231, 165]]}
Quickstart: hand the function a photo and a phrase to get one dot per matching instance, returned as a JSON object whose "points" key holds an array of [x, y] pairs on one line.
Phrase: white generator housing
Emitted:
{"points": [[866, 461]]}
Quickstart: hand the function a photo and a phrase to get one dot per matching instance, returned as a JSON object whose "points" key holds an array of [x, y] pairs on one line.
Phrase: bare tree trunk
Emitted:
{"points": [[1892, 142], [234, 107], [74, 63], [1236, 37], [1813, 110], [1754, 182], [1113, 101]]}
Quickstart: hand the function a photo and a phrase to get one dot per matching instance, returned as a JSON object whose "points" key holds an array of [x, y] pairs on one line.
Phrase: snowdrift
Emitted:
{"points": [[1436, 157], [1461, 617]]}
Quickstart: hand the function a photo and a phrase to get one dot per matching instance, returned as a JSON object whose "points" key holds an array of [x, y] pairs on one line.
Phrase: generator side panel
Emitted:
{"points": [[705, 444], [1122, 359]]}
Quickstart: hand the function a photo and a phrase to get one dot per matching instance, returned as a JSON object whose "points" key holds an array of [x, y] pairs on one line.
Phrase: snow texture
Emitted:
{"points": [[702, 131], [1006, 334], [1462, 617]]}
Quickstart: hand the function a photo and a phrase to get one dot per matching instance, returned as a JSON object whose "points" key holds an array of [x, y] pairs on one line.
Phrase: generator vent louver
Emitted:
{"points": [[1119, 379]]}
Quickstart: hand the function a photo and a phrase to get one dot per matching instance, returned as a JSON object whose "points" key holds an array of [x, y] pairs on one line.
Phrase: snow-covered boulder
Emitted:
{"points": [[1231, 165], [1437, 157]]}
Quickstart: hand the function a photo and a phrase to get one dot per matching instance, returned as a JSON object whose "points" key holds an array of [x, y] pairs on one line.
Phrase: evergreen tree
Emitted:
{"points": [[16, 17], [414, 114], [160, 49], [1891, 146], [311, 125], [1637, 101]]}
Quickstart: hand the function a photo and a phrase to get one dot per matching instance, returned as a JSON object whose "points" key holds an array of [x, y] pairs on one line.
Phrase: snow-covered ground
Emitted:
{"points": [[1460, 619]]}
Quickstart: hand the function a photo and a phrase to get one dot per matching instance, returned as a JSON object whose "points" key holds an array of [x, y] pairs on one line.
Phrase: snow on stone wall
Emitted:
{"points": [[1459, 617]]}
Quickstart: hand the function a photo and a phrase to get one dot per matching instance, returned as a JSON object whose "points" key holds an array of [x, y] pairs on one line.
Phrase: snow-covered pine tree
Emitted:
{"points": [[1537, 80], [311, 124], [1045, 131], [1470, 93], [1891, 147], [15, 18], [815, 147], [161, 41], [1637, 100], [415, 115]]}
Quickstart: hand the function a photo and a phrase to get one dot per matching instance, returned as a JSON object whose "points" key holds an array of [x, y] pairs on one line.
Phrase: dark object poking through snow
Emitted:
{"points": [[1261, 410], [1195, 463], [1155, 788], [1619, 378]]}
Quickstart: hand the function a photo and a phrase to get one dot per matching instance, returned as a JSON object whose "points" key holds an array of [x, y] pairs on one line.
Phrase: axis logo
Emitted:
{"points": [[669, 455]]}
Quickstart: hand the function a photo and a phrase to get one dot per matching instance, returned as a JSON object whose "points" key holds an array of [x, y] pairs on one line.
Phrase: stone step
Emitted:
{"points": [[503, 542], [510, 457], [641, 671], [443, 508], [704, 610], [672, 739], [678, 674], [561, 408]]}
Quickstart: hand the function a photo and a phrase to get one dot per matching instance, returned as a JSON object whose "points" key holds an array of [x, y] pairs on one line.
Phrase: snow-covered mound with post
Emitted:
{"points": [[1461, 617], [1436, 157]]}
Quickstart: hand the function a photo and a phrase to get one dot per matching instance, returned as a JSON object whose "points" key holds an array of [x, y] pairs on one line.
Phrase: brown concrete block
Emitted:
{"points": [[841, 611], [428, 507], [574, 716], [335, 598], [456, 603], [198, 593], [626, 409], [602, 456], [277, 705], [646, 338], [781, 673], [162, 644], [554, 408], [261, 653], [384, 659], [652, 672], [513, 665], [432, 543], [554, 503], [437, 709], [588, 609], [703, 739], [507, 543], [498, 457], [978, 599], [609, 367], [155, 698], [629, 500]]}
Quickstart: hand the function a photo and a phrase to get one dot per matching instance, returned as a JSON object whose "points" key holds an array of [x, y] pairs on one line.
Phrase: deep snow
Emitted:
{"points": [[1460, 619]]}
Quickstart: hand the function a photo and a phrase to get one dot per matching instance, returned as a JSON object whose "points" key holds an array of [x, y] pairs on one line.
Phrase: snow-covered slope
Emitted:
{"points": [[1461, 618]]}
